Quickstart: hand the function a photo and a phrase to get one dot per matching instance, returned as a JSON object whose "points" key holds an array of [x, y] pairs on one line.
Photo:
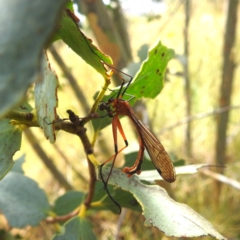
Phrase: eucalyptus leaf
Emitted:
{"points": [[70, 33], [17, 166], [10, 142], [149, 80], [22, 201], [26, 27], [46, 101], [172, 218]]}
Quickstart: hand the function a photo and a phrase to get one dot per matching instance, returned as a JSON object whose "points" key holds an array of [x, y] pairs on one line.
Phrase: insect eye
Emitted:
{"points": [[102, 106]]}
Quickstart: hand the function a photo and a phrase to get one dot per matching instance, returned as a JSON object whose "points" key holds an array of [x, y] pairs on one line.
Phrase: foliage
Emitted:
{"points": [[20, 195]]}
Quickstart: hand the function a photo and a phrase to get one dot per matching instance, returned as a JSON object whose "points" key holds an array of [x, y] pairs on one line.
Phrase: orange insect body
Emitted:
{"points": [[161, 160]]}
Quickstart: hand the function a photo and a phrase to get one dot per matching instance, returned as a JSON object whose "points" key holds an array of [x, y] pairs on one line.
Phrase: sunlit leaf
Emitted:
{"points": [[172, 218], [46, 100], [148, 82], [70, 33]]}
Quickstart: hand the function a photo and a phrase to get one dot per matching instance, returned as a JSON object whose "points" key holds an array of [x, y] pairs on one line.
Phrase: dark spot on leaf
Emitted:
{"points": [[141, 92], [133, 202], [143, 87], [155, 51], [163, 54], [157, 71]]}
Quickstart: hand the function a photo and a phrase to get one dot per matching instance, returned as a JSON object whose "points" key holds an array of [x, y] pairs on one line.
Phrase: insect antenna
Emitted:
{"points": [[106, 188]]}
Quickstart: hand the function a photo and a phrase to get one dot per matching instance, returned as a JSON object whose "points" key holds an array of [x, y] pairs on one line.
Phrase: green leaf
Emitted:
{"points": [[22, 201], [28, 25], [46, 100], [76, 228], [10, 142], [178, 163], [148, 82], [68, 202], [69, 5], [70, 33], [172, 218]]}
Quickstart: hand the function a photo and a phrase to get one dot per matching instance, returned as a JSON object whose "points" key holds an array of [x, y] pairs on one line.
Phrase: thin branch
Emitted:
{"points": [[170, 17], [121, 219], [92, 183], [187, 83], [221, 178], [80, 131], [63, 218], [199, 116]]}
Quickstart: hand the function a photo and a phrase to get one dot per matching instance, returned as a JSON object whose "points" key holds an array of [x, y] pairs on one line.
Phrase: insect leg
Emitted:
{"points": [[136, 168]]}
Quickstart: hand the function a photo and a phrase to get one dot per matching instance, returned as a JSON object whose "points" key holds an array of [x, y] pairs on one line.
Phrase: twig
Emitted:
{"points": [[170, 16], [199, 116], [221, 178], [120, 223], [63, 218], [92, 183], [187, 80], [80, 131]]}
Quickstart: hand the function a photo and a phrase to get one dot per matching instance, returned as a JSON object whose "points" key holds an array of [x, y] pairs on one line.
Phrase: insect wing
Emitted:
{"points": [[158, 155], [160, 159]]}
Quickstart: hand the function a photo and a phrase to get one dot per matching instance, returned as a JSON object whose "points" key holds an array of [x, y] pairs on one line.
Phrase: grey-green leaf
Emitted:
{"points": [[10, 142], [17, 166], [26, 27], [22, 201], [172, 218], [46, 101]]}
